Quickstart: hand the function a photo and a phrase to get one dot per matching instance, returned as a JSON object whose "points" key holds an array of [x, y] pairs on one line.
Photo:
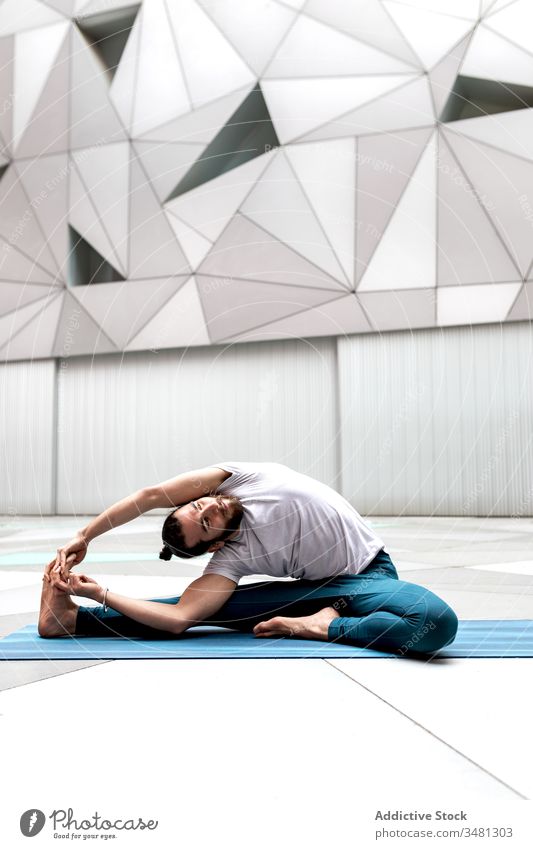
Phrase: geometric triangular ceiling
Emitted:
{"points": [[192, 173]]}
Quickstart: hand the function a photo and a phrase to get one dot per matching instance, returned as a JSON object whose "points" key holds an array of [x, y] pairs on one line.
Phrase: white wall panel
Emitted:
{"points": [[128, 422], [26, 437], [438, 422]]}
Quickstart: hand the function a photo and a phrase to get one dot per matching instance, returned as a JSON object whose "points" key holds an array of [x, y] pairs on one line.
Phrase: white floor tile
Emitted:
{"points": [[251, 730], [517, 567], [480, 707]]}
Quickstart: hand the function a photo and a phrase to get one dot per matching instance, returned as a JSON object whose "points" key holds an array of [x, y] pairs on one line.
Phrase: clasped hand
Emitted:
{"points": [[78, 585]]}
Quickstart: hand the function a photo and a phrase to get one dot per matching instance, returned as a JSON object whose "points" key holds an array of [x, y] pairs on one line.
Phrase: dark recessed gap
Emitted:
{"points": [[248, 134], [86, 265], [108, 32], [472, 98], [3, 169]]}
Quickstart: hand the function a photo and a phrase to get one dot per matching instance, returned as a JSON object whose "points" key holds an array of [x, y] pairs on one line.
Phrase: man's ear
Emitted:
{"points": [[216, 545]]}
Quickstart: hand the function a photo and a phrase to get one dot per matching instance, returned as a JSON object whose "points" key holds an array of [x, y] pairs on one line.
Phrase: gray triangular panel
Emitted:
{"points": [[122, 309], [245, 250], [36, 338], [233, 306], [334, 318], [12, 322], [385, 163], [443, 75], [154, 250], [499, 179], [77, 333], [48, 129], [45, 180], [166, 163], [93, 118], [18, 224], [522, 309], [469, 250], [13, 296], [400, 309]]}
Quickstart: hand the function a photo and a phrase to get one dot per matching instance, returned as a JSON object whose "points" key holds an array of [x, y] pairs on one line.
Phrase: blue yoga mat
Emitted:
{"points": [[475, 638]]}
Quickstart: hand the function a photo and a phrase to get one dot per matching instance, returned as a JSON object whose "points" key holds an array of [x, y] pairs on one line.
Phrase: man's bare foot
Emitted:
{"points": [[314, 627], [58, 613]]}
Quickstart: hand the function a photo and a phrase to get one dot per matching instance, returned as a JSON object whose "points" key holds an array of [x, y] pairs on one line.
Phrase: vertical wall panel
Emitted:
{"points": [[128, 422], [27, 437], [438, 422]]}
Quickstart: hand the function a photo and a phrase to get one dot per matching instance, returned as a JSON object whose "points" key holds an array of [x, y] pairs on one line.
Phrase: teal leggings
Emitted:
{"points": [[375, 608]]}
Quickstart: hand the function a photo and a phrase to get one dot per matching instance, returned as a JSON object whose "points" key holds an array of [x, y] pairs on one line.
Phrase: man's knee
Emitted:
{"points": [[442, 630]]}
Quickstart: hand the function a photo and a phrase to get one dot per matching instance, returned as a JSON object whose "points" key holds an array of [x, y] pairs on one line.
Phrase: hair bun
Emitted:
{"points": [[165, 553]]}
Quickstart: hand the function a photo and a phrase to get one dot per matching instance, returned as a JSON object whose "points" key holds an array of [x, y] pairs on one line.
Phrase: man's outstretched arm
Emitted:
{"points": [[178, 490], [203, 597]]}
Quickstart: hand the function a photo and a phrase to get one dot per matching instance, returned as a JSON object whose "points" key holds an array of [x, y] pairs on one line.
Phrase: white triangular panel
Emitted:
{"points": [[313, 49], [211, 64], [194, 245], [407, 106], [431, 35], [327, 175], [509, 131], [18, 15], [298, 106], [35, 54], [202, 125], [105, 174], [277, 203], [255, 28], [468, 9], [515, 22], [405, 258], [493, 57], [209, 208], [475, 304], [160, 89], [366, 20], [123, 87], [179, 324]]}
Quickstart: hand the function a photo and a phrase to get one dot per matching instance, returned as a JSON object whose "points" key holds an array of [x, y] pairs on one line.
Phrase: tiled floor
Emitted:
{"points": [[453, 729]]}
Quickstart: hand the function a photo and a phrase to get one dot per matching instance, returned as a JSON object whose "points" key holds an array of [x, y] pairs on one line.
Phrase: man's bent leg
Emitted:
{"points": [[389, 614]]}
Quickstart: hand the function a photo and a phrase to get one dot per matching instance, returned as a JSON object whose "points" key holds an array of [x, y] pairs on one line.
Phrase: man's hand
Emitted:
{"points": [[82, 585], [54, 577], [73, 552]]}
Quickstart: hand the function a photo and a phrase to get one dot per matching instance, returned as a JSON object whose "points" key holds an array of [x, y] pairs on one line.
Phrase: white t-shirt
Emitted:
{"points": [[292, 526]]}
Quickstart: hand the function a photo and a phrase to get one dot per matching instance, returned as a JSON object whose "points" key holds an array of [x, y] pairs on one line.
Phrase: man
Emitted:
{"points": [[337, 581]]}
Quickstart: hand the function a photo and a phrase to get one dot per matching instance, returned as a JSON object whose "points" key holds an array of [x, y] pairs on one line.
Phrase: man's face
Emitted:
{"points": [[205, 519]]}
